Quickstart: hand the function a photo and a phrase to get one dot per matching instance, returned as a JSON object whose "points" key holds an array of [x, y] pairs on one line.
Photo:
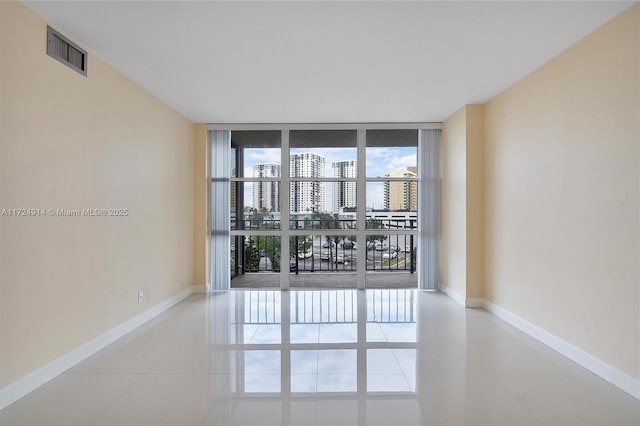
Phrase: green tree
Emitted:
{"points": [[303, 244], [271, 247], [274, 257], [251, 256]]}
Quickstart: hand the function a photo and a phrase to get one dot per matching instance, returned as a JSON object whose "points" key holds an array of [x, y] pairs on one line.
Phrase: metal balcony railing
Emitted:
{"points": [[384, 252], [253, 224], [265, 224]]}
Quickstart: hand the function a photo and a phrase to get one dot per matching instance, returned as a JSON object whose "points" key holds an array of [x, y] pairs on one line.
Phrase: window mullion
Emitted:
{"points": [[285, 203], [361, 211]]}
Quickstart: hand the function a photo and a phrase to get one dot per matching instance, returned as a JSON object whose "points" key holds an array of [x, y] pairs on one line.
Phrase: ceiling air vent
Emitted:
{"points": [[64, 50]]}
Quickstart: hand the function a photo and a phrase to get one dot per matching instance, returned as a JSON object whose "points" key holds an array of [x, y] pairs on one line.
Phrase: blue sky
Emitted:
{"points": [[379, 162]]}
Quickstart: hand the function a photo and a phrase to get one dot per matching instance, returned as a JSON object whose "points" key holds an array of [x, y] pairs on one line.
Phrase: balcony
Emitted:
{"points": [[326, 260]]}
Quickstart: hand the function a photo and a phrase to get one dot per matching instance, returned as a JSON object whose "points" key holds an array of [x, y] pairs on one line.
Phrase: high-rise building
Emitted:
{"points": [[266, 195], [401, 195], [307, 197], [233, 191], [344, 193]]}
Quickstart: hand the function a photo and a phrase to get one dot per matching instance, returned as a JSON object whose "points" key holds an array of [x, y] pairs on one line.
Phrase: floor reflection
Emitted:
{"points": [[300, 353], [331, 341]]}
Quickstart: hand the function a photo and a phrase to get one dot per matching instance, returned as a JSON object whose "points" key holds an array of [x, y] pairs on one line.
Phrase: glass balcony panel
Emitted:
{"points": [[391, 258], [255, 261], [323, 261], [255, 205]]}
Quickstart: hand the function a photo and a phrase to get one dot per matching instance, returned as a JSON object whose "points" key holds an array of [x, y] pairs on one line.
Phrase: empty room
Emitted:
{"points": [[319, 213]]}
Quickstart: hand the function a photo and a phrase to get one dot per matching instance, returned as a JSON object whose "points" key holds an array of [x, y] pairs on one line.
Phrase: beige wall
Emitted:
{"points": [[475, 200], [201, 176], [453, 172], [562, 195], [461, 165], [72, 142]]}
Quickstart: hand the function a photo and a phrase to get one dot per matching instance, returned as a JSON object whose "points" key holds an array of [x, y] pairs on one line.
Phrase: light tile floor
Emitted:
{"points": [[325, 357]]}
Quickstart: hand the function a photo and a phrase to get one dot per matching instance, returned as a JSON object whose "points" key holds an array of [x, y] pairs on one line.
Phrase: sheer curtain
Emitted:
{"points": [[429, 209], [220, 208]]}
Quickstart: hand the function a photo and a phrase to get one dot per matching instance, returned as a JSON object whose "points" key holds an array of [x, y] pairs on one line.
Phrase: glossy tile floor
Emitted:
{"points": [[335, 357]]}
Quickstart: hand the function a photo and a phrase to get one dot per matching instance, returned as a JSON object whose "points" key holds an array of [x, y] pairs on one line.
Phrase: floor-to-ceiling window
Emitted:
{"points": [[391, 171], [321, 206], [255, 203]]}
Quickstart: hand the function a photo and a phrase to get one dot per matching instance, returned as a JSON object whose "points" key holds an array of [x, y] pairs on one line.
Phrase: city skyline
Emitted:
{"points": [[379, 162]]}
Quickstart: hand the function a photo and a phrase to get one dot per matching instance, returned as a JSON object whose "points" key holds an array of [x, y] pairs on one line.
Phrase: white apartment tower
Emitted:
{"points": [[307, 197], [344, 193], [266, 195]]}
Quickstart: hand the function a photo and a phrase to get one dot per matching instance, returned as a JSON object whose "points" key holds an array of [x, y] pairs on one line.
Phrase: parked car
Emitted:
{"points": [[292, 264], [389, 254], [349, 245], [407, 249], [305, 255], [263, 253], [382, 246], [342, 258], [325, 255]]}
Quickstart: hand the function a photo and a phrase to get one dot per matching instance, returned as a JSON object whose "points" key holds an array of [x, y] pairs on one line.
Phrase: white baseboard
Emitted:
{"points": [[611, 374], [474, 302], [457, 297], [600, 368], [202, 288], [37, 378]]}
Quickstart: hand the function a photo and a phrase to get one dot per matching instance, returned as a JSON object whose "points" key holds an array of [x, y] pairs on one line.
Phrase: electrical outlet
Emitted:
{"points": [[140, 297], [176, 281]]}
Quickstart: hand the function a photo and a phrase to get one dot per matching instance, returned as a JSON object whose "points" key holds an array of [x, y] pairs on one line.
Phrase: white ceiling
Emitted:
{"points": [[297, 62]]}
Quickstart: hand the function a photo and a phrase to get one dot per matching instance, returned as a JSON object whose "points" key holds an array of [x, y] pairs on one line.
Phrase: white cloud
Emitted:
{"points": [[402, 163], [262, 155], [379, 152], [381, 161]]}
